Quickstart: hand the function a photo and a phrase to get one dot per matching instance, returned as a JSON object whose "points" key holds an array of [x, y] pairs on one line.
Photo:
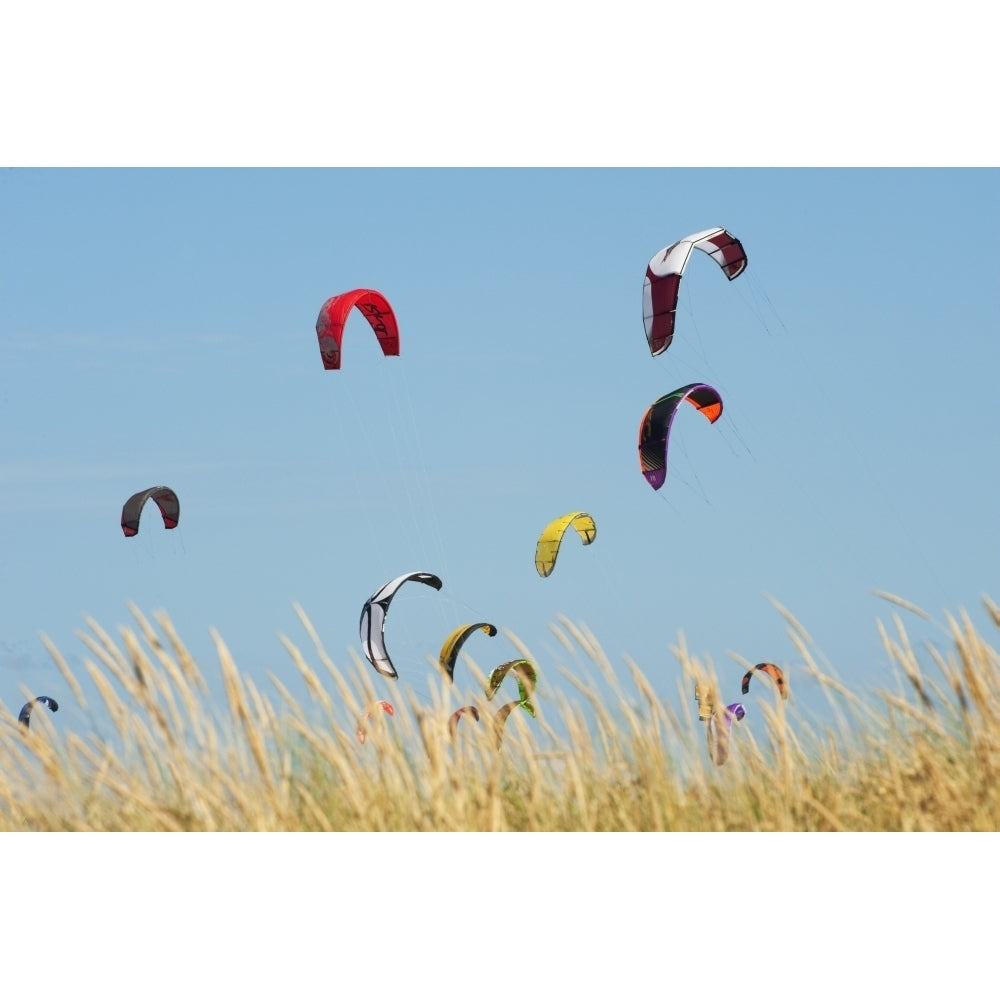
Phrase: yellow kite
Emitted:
{"points": [[551, 538], [449, 651]]}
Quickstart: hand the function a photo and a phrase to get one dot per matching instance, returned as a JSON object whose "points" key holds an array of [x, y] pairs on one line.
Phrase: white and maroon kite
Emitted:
{"points": [[663, 279]]}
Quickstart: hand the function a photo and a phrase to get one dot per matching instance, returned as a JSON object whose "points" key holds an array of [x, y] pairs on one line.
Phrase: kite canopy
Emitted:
{"points": [[663, 279], [333, 315], [24, 717], [527, 678], [449, 651], [164, 497], [373, 620], [456, 717], [500, 719], [550, 540], [717, 735], [654, 430], [775, 673], [362, 732]]}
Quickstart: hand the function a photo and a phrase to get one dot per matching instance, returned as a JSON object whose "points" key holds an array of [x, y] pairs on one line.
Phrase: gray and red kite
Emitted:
{"points": [[164, 498]]}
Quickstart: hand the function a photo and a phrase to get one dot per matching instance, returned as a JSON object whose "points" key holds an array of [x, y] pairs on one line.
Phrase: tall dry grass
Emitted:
{"points": [[611, 754]]}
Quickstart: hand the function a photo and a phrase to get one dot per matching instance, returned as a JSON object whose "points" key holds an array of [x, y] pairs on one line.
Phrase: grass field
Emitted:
{"points": [[610, 756]]}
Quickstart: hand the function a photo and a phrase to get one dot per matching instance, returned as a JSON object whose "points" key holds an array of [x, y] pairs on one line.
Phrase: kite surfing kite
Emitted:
{"points": [[456, 717], [164, 498], [527, 678], [373, 620], [772, 671], [717, 733], [663, 279], [374, 306], [654, 430], [449, 651], [551, 538], [500, 719], [25, 714], [362, 732]]}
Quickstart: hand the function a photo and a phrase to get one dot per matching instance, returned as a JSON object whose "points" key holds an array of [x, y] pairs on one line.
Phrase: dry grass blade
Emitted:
{"points": [[902, 654], [796, 626], [313, 682], [908, 605], [64, 669], [240, 710], [184, 658]]}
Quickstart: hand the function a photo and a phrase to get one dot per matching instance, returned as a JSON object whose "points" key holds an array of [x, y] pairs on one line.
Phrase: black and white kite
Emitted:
{"points": [[373, 620]]}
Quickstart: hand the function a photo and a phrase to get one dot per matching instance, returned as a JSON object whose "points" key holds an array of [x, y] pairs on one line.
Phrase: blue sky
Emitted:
{"points": [[158, 327]]}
